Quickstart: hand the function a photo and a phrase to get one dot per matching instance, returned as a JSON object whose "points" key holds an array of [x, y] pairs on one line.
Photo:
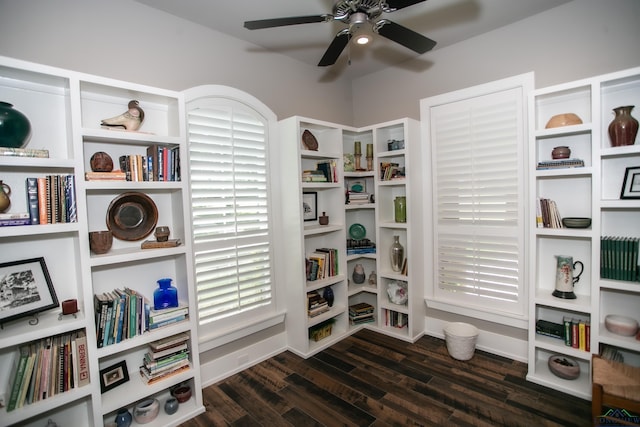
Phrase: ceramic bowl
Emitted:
{"points": [[621, 325], [566, 119], [576, 222], [182, 393], [564, 367], [146, 411]]}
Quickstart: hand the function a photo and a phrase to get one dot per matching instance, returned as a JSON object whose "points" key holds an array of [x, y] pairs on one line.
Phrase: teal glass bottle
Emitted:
{"points": [[165, 296]]}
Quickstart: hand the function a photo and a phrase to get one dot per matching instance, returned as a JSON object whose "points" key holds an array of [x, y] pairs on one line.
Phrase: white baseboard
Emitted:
{"points": [[218, 369]]}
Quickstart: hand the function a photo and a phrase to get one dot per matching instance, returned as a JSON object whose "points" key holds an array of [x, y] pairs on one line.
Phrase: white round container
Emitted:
{"points": [[461, 340]]}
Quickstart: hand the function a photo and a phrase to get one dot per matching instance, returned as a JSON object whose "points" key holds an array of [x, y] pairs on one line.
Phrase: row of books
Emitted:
{"points": [[395, 319], [48, 367], [575, 333], [322, 263], [619, 258], [361, 313], [547, 214], [391, 170], [560, 164], [159, 164], [50, 200], [316, 304], [119, 315], [165, 357], [124, 313]]}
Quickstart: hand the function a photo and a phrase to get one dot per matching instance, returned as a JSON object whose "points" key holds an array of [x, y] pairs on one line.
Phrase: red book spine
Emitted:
{"points": [[575, 334]]}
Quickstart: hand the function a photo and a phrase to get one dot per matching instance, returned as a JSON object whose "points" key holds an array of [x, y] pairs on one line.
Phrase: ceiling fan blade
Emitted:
{"points": [[281, 22], [406, 37], [335, 48], [400, 4]]}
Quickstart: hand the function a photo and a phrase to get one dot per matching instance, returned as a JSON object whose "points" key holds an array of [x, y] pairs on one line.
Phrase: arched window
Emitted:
{"points": [[229, 135]]}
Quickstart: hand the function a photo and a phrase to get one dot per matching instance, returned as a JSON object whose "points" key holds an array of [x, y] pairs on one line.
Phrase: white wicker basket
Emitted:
{"points": [[461, 340]]}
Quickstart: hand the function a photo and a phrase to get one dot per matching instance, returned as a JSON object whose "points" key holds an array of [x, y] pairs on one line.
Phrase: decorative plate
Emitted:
{"points": [[132, 216], [357, 231], [310, 142]]}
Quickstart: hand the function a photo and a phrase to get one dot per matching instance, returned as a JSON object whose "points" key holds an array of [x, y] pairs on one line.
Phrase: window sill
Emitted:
{"points": [[221, 337], [499, 318]]}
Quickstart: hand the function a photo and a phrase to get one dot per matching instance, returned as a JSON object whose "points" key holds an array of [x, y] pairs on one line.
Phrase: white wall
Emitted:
{"points": [[126, 40], [579, 39]]}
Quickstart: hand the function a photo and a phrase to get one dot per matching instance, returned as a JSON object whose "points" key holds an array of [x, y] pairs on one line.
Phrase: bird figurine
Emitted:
{"points": [[129, 120]]}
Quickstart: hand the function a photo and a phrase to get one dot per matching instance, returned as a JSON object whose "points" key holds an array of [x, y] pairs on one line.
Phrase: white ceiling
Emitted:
{"points": [[445, 21]]}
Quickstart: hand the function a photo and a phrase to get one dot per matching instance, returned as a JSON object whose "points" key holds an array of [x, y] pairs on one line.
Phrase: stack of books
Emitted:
{"points": [[313, 176], [358, 198], [360, 246], [560, 164], [316, 305], [17, 218], [48, 367], [361, 313], [166, 357], [167, 316], [24, 152]]}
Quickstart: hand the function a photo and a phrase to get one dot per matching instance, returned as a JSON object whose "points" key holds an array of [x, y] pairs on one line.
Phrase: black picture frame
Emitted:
{"points": [[310, 206], [25, 289], [631, 183], [113, 376]]}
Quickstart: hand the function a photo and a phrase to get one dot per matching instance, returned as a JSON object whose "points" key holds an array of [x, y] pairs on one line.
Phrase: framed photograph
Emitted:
{"points": [[113, 376], [310, 206], [25, 289], [631, 183]]}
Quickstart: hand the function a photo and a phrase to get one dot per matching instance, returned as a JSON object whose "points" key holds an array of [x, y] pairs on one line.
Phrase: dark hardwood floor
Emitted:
{"points": [[370, 379]]}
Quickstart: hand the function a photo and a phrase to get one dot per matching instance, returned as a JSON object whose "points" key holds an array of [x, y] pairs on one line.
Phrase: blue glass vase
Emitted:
{"points": [[165, 296]]}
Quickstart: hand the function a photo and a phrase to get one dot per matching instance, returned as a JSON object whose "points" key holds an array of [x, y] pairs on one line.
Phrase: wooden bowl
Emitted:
{"points": [[564, 367], [566, 119]]}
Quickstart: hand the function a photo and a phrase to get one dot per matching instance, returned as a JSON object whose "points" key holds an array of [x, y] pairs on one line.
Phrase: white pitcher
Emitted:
{"points": [[565, 277]]}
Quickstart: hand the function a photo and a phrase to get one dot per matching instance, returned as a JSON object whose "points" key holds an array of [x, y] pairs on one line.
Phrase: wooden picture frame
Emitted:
{"points": [[113, 376], [631, 183], [310, 206], [25, 290]]}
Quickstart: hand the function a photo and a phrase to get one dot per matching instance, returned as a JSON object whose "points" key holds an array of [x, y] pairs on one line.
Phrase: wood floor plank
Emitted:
{"points": [[259, 410], [371, 379]]}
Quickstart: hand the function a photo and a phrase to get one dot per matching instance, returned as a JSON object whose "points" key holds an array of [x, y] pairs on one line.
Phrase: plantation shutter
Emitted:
{"points": [[478, 171], [229, 191]]}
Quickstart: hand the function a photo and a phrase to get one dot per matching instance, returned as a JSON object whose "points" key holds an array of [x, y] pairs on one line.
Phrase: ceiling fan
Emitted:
{"points": [[356, 13]]}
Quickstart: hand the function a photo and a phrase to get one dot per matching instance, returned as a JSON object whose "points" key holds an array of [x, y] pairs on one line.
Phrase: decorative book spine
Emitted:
{"points": [[42, 200], [32, 200]]}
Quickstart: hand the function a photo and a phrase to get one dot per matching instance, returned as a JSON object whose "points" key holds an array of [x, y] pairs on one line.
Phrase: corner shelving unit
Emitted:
{"points": [[334, 142], [591, 191]]}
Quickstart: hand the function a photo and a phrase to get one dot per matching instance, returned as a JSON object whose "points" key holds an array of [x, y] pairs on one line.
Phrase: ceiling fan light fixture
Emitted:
{"points": [[362, 39]]}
